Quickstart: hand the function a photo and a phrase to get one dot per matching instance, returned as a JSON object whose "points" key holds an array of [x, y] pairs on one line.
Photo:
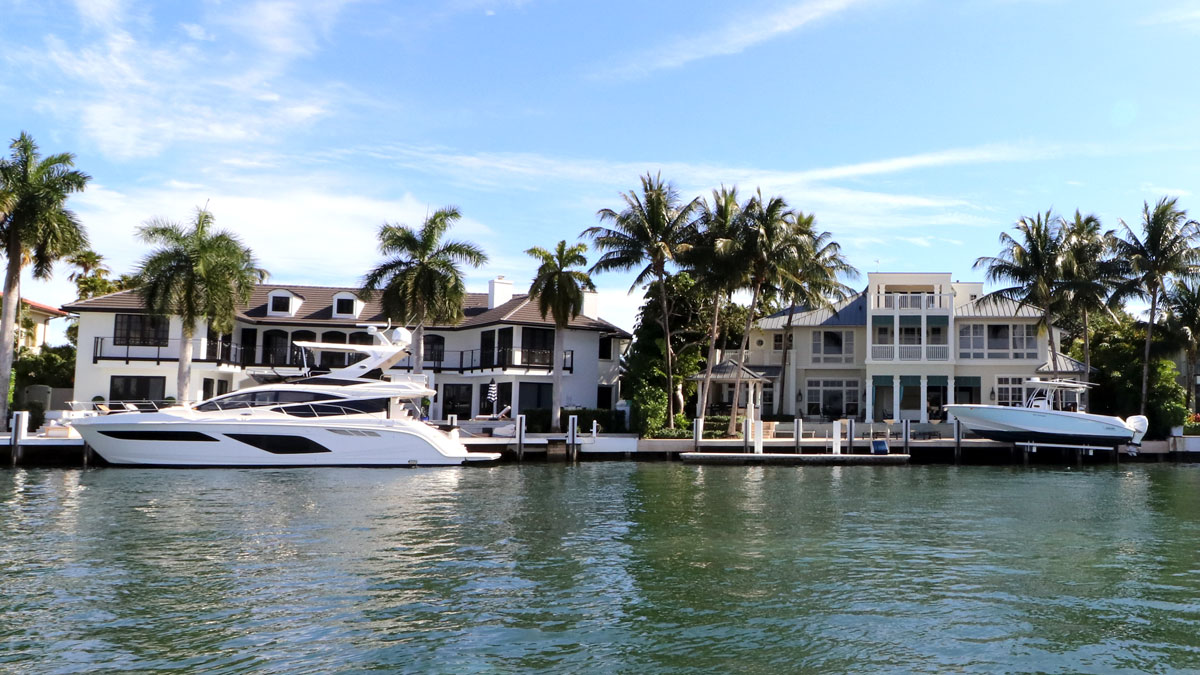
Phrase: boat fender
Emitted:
{"points": [[1139, 424]]}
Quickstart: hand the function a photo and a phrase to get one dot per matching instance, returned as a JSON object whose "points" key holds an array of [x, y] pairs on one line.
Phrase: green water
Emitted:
{"points": [[601, 567]]}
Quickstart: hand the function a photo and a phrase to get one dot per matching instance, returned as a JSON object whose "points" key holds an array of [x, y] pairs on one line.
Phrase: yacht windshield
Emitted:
{"points": [[368, 406], [257, 399]]}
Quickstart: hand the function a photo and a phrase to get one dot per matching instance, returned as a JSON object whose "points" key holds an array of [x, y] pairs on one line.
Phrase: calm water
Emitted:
{"points": [[612, 567]]}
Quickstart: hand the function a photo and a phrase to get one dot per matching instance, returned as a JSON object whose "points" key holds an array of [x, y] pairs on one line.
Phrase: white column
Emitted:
{"points": [[950, 396], [896, 397], [924, 399], [924, 340], [870, 411]]}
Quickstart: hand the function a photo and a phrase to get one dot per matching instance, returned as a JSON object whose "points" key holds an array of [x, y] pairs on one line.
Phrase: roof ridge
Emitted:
{"points": [[524, 301]]}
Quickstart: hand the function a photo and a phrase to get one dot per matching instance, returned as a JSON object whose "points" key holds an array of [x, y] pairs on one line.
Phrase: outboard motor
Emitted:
{"points": [[1139, 424]]}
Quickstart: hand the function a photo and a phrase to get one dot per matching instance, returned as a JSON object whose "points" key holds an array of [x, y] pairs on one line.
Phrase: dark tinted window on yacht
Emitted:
{"points": [[374, 406], [254, 399]]}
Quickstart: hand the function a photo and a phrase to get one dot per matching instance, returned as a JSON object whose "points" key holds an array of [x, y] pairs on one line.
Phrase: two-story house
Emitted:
{"points": [[126, 353], [901, 349]]}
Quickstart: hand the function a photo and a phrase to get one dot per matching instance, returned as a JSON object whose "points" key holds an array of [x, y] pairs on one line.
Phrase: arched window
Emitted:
{"points": [[331, 360], [359, 338], [300, 355], [435, 350], [275, 347]]}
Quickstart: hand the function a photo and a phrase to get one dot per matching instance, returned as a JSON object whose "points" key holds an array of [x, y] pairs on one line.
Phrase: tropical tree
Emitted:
{"points": [[88, 263], [558, 290], [815, 283], [1088, 274], [772, 239], [36, 228], [1164, 249], [1183, 312], [419, 279], [651, 232], [1031, 263], [712, 261], [197, 273]]}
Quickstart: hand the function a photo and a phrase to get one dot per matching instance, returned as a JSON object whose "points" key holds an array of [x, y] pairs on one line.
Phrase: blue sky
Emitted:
{"points": [[916, 131]]}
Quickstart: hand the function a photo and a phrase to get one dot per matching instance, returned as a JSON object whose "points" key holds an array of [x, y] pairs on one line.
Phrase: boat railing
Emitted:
{"points": [[323, 409], [112, 407]]}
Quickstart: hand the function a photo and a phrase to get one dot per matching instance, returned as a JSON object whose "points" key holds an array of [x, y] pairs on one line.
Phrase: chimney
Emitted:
{"points": [[591, 304], [500, 291]]}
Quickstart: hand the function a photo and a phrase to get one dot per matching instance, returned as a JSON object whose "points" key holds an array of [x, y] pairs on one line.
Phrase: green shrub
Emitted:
{"points": [[670, 433], [537, 420], [649, 410]]}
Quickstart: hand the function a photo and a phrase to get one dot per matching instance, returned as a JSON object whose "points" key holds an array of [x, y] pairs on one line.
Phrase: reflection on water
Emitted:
{"points": [[603, 566]]}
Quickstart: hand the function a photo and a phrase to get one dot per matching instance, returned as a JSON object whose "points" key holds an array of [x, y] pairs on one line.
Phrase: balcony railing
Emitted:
{"points": [[883, 352], [912, 301], [938, 352], [474, 360], [910, 352], [131, 350]]}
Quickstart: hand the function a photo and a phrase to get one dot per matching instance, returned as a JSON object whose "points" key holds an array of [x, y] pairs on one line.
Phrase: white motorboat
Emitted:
{"points": [[339, 419], [1049, 418]]}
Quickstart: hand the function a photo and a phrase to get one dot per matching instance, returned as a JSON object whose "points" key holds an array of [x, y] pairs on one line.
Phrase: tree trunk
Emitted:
{"points": [[8, 324], [418, 348], [183, 377], [737, 380], [666, 324], [783, 374], [556, 394], [713, 331], [1087, 361], [1190, 373], [1146, 363], [1051, 341]]}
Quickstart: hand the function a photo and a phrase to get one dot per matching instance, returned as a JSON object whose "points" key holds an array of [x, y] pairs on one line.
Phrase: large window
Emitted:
{"points": [[140, 330], [535, 395], [1010, 391], [136, 388], [777, 343], [997, 341], [456, 400], [832, 399], [1024, 341], [606, 348], [833, 346], [537, 347]]}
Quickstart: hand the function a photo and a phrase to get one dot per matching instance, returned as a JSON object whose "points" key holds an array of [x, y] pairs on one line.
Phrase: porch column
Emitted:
{"points": [[924, 394], [924, 338], [896, 328], [896, 397], [950, 396], [870, 412]]}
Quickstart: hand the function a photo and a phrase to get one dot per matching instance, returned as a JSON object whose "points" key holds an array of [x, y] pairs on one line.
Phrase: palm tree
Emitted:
{"points": [[198, 274], [1164, 249], [813, 284], [1032, 265], [654, 229], [1183, 306], [712, 261], [773, 236], [88, 263], [558, 290], [35, 228], [420, 278], [1088, 274]]}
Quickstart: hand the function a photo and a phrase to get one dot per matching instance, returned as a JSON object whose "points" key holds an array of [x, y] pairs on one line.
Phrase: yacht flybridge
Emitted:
{"points": [[1048, 417], [343, 418]]}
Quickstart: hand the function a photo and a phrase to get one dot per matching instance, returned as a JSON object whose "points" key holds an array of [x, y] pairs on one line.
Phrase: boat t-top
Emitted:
{"points": [[343, 418], [1050, 416]]}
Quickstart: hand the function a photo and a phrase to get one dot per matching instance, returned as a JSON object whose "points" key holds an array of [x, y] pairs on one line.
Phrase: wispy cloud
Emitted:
{"points": [[735, 35], [1186, 15], [1153, 189]]}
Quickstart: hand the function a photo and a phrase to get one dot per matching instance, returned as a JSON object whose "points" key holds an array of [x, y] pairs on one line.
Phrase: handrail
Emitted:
{"points": [[311, 405]]}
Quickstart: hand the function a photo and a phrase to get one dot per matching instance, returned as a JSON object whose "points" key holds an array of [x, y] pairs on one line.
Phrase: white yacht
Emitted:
{"points": [[344, 418], [1048, 417]]}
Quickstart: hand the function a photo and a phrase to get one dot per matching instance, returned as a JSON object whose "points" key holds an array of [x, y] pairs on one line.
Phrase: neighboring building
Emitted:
{"points": [[125, 353], [41, 316], [902, 349]]}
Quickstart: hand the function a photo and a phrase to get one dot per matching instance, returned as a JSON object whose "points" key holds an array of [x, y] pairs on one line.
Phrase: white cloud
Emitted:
{"points": [[1160, 190], [1186, 15], [736, 34], [196, 32]]}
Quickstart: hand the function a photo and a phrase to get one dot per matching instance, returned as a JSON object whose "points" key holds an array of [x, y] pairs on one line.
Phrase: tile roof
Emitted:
{"points": [[44, 309], [850, 312], [317, 308]]}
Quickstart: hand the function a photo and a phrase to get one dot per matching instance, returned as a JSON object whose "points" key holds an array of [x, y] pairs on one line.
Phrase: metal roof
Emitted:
{"points": [[998, 309], [850, 312], [726, 371], [1064, 364]]}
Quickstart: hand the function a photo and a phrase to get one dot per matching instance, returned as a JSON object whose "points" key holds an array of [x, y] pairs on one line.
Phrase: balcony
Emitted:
{"points": [[156, 351], [907, 303], [910, 352], [475, 360]]}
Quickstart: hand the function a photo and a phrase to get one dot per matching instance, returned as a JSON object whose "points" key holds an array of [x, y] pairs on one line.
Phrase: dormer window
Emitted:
{"points": [[281, 303], [346, 306]]}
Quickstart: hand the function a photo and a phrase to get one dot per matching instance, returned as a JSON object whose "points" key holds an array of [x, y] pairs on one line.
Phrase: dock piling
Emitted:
{"points": [[697, 432], [797, 432], [957, 441], [520, 432]]}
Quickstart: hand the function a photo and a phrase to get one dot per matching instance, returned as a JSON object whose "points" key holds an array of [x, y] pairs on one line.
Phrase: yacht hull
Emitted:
{"points": [[1030, 425], [142, 440]]}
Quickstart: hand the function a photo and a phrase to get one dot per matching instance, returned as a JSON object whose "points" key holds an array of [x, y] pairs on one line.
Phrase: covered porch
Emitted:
{"points": [[758, 385], [920, 398]]}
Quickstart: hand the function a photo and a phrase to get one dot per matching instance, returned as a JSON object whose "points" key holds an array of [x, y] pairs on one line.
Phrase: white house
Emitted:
{"points": [[901, 349], [125, 353]]}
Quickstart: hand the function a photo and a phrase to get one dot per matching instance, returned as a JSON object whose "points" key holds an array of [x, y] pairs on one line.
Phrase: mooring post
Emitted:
{"points": [[836, 437], [14, 444], [906, 429], [850, 436], [520, 437], [957, 441], [745, 435], [697, 432], [797, 432], [573, 436], [452, 419]]}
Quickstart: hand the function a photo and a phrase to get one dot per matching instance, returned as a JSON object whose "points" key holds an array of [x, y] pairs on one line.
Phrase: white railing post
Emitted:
{"points": [[452, 419], [758, 437], [837, 437], [697, 432], [797, 431]]}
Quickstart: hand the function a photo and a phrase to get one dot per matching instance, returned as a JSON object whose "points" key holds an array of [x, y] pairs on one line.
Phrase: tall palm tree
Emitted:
{"points": [[1164, 249], [713, 262], [653, 230], [419, 278], [36, 228], [197, 273], [88, 263], [1032, 264], [1183, 306], [815, 283], [1088, 274], [773, 236], [558, 290]]}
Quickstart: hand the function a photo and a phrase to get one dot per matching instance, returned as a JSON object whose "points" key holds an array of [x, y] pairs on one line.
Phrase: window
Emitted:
{"points": [[1010, 391], [970, 341], [833, 399], [1024, 341], [910, 335], [255, 399], [768, 397], [606, 349], [777, 345], [833, 346], [604, 397], [456, 400], [534, 395], [343, 306], [140, 330], [281, 303], [937, 335], [537, 345], [434, 348], [136, 388], [997, 340]]}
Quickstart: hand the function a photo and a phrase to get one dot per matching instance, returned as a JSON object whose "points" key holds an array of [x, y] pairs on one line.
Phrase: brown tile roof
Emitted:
{"points": [[44, 309], [317, 308]]}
